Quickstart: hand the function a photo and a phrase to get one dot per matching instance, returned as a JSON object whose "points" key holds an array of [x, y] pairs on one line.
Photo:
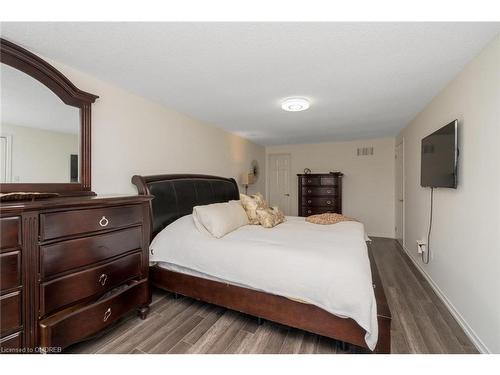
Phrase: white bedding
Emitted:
{"points": [[324, 265]]}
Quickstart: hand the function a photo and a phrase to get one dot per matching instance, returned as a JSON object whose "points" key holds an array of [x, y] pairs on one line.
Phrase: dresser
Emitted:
{"points": [[319, 193], [70, 267]]}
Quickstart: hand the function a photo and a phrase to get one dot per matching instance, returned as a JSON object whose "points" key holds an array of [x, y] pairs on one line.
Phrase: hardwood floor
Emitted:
{"points": [[420, 324]]}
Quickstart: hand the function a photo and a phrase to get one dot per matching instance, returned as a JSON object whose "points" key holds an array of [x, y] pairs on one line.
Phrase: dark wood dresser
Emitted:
{"points": [[69, 268], [320, 193], [72, 265]]}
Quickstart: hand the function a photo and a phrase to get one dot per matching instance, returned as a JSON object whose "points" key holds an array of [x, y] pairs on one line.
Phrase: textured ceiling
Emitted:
{"points": [[364, 79]]}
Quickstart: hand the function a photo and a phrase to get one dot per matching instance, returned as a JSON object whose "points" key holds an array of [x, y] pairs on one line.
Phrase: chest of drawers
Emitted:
{"points": [[11, 284], [69, 268], [319, 193]]}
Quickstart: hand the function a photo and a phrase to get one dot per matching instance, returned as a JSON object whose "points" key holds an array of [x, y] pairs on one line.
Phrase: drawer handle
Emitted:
{"points": [[102, 279], [328, 191], [308, 211], [104, 222], [309, 181], [107, 314], [328, 202], [309, 191], [309, 201]]}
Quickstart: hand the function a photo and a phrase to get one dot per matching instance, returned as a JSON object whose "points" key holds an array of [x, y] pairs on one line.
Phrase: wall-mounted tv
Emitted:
{"points": [[439, 157]]}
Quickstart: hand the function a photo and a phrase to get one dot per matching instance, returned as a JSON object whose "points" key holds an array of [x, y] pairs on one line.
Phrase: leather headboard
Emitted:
{"points": [[175, 195]]}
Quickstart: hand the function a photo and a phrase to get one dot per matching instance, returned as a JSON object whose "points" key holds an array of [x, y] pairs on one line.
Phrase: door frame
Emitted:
{"points": [[8, 157], [403, 192], [268, 179]]}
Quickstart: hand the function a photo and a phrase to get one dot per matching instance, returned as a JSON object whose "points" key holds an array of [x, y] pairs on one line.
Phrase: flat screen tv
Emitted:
{"points": [[439, 157]]}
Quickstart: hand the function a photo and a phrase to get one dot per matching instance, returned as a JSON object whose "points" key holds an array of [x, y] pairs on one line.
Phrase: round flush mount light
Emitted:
{"points": [[295, 104]]}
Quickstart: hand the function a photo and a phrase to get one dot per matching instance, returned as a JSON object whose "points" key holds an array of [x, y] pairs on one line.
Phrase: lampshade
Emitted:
{"points": [[247, 179]]}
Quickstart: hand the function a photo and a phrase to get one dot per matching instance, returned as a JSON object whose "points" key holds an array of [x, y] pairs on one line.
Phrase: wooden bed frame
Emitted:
{"points": [[175, 196]]}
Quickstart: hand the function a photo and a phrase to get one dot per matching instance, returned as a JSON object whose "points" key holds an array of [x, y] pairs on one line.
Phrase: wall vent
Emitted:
{"points": [[365, 151]]}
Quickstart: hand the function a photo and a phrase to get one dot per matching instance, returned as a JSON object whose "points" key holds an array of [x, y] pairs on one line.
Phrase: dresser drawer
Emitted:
{"points": [[319, 201], [329, 180], [310, 181], [73, 325], [66, 255], [10, 270], [307, 211], [318, 191], [94, 281], [10, 343], [10, 232], [10, 312], [60, 224]]}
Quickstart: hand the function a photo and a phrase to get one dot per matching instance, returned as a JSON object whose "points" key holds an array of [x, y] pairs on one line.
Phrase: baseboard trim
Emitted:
{"points": [[478, 343]]}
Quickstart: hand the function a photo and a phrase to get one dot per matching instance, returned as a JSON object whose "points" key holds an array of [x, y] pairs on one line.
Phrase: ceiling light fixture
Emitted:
{"points": [[295, 104]]}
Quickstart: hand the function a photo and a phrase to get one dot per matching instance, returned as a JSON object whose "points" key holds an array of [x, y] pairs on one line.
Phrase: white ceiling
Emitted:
{"points": [[364, 79]]}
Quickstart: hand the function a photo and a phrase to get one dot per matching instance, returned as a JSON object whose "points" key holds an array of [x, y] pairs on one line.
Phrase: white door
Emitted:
{"points": [[279, 181], [400, 193]]}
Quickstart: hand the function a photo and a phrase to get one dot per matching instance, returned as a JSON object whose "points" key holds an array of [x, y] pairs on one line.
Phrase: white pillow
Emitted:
{"points": [[219, 219]]}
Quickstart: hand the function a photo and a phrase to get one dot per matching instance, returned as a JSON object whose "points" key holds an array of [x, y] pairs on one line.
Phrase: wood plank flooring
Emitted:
{"points": [[420, 324]]}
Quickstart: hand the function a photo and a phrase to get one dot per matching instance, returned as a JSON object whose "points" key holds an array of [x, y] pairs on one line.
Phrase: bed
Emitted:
{"points": [[316, 278]]}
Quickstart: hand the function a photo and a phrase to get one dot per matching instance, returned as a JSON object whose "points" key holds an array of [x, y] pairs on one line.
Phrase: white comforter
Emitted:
{"points": [[324, 265]]}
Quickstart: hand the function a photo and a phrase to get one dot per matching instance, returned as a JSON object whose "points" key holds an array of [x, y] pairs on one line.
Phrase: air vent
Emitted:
{"points": [[365, 151]]}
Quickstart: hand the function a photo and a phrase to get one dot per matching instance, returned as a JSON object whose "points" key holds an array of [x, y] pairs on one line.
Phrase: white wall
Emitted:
{"points": [[465, 242], [133, 135], [40, 155], [368, 182]]}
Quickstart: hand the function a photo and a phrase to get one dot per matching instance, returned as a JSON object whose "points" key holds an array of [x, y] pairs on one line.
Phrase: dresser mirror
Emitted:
{"points": [[39, 135], [44, 127]]}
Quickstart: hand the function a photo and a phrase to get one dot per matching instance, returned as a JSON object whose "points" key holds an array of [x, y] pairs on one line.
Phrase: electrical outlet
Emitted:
{"points": [[421, 246]]}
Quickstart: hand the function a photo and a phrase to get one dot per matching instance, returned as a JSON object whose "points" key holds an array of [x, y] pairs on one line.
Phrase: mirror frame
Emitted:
{"points": [[23, 60]]}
